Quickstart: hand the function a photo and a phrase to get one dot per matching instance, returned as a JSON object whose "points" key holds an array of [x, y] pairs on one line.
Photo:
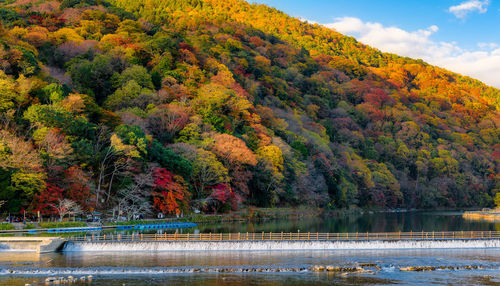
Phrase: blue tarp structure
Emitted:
{"points": [[163, 225]]}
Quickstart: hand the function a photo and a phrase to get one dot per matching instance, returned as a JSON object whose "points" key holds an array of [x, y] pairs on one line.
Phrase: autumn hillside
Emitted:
{"points": [[140, 106]]}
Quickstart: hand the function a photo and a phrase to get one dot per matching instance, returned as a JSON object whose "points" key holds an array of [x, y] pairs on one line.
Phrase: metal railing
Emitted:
{"points": [[290, 236]]}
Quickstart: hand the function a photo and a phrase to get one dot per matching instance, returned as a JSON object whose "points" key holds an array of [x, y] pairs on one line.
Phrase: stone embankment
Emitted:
{"points": [[31, 244]]}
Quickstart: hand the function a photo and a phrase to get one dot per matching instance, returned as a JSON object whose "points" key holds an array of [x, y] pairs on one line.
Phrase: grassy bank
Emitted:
{"points": [[6, 226], [61, 224], [248, 214]]}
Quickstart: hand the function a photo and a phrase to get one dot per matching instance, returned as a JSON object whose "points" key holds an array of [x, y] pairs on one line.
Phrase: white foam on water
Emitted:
{"points": [[51, 271], [182, 270], [279, 245]]}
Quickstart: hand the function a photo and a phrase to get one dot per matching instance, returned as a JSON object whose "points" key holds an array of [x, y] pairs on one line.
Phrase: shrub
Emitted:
{"points": [[6, 226], [29, 226]]}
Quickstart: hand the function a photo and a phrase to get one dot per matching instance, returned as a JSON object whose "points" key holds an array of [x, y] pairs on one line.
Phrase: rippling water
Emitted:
{"points": [[174, 268]]}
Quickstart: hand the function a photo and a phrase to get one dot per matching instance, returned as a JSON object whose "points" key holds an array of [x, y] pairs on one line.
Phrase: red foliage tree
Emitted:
{"points": [[377, 97], [170, 194], [222, 198], [45, 200], [76, 186], [49, 21]]}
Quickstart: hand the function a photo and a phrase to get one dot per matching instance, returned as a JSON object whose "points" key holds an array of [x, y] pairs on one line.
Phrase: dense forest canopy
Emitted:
{"points": [[139, 106]]}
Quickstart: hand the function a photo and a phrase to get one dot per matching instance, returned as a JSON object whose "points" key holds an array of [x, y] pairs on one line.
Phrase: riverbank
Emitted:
{"points": [[249, 214], [243, 215], [490, 216]]}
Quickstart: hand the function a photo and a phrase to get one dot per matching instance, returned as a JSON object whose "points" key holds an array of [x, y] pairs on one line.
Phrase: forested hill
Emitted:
{"points": [[139, 106]]}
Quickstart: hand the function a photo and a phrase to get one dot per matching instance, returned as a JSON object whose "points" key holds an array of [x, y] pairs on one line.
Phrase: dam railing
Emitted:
{"points": [[289, 236]]}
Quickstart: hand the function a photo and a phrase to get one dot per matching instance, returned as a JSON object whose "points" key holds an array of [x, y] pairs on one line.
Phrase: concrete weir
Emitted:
{"points": [[31, 244], [124, 246]]}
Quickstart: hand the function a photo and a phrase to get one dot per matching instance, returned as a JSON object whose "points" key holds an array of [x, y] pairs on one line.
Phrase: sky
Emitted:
{"points": [[460, 35]]}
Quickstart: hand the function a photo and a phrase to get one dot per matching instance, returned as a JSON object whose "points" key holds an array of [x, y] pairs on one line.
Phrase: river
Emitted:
{"points": [[279, 267]]}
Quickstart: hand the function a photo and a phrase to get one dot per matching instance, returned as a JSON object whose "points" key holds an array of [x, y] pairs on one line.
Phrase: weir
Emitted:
{"points": [[255, 241], [284, 241], [123, 246], [289, 236]]}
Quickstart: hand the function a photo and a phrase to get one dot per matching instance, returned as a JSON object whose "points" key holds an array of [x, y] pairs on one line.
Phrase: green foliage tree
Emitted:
{"points": [[169, 160], [497, 199], [124, 96], [138, 74], [93, 76]]}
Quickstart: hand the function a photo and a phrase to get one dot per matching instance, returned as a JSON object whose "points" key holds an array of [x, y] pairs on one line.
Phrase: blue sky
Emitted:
{"points": [[462, 36]]}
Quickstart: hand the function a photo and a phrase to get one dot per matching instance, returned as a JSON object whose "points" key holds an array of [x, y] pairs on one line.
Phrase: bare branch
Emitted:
{"points": [[135, 198], [66, 207]]}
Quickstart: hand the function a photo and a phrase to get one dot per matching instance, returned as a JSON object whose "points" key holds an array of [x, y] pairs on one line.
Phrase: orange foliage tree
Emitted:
{"points": [[233, 150]]}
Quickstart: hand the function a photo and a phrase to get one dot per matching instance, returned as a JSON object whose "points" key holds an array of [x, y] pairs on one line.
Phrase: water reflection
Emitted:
{"points": [[369, 222]]}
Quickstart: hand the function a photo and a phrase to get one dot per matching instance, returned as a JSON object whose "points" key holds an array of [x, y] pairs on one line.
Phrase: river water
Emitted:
{"points": [[367, 222], [278, 267]]}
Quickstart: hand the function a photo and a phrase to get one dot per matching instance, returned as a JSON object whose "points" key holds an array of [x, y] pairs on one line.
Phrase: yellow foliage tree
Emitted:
{"points": [[65, 35], [272, 154], [127, 150]]}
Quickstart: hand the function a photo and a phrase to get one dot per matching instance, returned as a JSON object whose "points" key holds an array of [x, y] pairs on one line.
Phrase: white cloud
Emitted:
{"points": [[463, 9], [391, 39], [483, 63], [487, 45]]}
